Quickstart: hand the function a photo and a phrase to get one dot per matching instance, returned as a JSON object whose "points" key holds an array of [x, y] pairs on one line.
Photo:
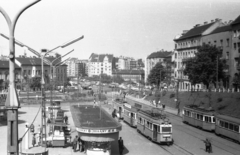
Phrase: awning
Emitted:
{"points": [[58, 124], [96, 139]]}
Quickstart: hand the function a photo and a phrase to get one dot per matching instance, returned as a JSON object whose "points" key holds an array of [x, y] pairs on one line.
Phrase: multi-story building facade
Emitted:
{"points": [[81, 68], [32, 67], [161, 56], [4, 74], [222, 37], [100, 64], [72, 67], [235, 54], [186, 46]]}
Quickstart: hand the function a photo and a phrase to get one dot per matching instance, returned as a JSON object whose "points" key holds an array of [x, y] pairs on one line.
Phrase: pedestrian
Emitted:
{"points": [[33, 140], [120, 146], [207, 145], [80, 145], [66, 119], [114, 113], [74, 145], [163, 106]]}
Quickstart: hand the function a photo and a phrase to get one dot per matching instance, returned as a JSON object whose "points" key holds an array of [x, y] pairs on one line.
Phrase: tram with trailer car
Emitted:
{"points": [[154, 125], [199, 117], [227, 126]]}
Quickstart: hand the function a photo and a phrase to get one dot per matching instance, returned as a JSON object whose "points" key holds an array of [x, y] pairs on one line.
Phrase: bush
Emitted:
{"points": [[172, 96], [219, 100]]}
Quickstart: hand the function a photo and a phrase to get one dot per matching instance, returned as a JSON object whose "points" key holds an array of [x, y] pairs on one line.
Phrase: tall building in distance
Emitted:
{"points": [[100, 64], [162, 56], [71, 67], [81, 68]]}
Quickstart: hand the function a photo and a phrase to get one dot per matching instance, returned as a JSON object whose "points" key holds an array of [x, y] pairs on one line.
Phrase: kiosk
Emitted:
{"points": [[97, 129]]}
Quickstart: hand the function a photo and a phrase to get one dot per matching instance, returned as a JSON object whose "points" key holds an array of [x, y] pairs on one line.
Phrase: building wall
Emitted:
{"points": [[235, 55], [220, 40], [97, 68]]}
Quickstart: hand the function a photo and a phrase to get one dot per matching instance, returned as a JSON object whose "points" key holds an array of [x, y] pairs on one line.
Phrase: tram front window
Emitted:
{"points": [[166, 129]]}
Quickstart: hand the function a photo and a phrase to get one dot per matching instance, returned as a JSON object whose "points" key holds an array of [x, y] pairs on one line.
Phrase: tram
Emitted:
{"points": [[118, 105], [130, 114], [154, 125], [227, 126], [199, 117]]}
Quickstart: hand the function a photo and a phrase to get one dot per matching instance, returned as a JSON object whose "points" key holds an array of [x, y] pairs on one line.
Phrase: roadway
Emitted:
{"points": [[188, 140]]}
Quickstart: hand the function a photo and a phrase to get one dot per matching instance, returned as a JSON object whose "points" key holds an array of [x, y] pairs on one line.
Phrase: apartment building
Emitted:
{"points": [[186, 46], [100, 64], [162, 56]]}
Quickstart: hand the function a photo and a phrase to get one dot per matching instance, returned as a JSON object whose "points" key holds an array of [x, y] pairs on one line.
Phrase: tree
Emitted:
{"points": [[154, 76], [35, 82], [117, 79], [105, 78], [203, 67]]}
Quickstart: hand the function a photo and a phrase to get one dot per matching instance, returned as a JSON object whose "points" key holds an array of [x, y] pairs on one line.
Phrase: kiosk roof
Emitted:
{"points": [[89, 116]]}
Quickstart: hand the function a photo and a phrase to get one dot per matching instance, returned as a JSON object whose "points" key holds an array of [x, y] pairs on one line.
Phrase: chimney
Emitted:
{"points": [[197, 25], [212, 21], [205, 23]]}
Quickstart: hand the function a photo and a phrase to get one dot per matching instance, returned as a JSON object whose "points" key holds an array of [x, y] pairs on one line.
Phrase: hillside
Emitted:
{"points": [[225, 103]]}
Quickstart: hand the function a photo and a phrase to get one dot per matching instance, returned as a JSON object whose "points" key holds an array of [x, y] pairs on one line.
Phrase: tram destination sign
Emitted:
{"points": [[96, 131]]}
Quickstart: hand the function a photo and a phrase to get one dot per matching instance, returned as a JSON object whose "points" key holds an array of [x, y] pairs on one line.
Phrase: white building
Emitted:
{"points": [[100, 64]]}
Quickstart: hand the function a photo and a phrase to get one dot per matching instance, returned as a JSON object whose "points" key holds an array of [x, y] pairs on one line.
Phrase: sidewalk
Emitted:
{"points": [[167, 108]]}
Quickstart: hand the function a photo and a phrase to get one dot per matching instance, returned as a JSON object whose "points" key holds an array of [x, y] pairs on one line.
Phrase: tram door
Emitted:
{"points": [[154, 132], [131, 119]]}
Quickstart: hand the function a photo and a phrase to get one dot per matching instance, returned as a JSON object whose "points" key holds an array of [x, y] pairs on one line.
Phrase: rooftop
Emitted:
{"points": [[92, 117], [196, 31], [236, 21], [100, 57], [4, 64], [222, 29], [160, 54], [36, 61]]}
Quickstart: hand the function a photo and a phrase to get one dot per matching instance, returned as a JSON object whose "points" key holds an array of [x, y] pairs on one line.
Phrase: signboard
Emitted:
{"points": [[96, 131], [127, 105]]}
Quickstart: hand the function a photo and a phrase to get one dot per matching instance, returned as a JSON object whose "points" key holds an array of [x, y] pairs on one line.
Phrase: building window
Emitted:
{"points": [[227, 42], [227, 56], [235, 34], [235, 46], [221, 43]]}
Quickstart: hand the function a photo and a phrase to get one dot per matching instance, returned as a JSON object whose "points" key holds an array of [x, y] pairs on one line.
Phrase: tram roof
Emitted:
{"points": [[92, 117], [152, 114], [200, 109], [228, 118]]}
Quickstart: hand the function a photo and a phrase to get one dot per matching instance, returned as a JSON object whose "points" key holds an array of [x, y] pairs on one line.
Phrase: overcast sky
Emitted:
{"points": [[133, 28]]}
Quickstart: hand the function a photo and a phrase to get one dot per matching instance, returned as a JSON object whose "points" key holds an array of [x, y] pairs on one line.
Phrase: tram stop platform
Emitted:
{"points": [[35, 151], [98, 130]]}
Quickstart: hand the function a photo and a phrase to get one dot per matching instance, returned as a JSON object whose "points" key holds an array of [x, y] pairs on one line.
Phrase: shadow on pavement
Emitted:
{"points": [[21, 112], [21, 121], [125, 151]]}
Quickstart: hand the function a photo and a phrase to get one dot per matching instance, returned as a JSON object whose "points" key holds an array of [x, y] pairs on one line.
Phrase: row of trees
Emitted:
{"points": [[206, 67], [104, 78]]}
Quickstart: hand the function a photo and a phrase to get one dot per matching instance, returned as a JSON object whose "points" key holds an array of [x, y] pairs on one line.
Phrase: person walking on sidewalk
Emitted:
{"points": [[75, 143], [120, 145], [33, 140], [80, 144]]}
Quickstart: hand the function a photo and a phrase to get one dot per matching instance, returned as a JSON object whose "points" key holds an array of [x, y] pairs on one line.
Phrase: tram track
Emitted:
{"points": [[197, 137], [194, 134]]}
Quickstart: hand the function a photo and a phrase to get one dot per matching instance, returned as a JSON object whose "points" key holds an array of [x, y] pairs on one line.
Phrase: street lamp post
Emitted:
{"points": [[51, 70], [12, 102]]}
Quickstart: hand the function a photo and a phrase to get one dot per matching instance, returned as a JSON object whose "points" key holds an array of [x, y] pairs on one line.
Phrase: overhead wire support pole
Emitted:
{"points": [[12, 102]]}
